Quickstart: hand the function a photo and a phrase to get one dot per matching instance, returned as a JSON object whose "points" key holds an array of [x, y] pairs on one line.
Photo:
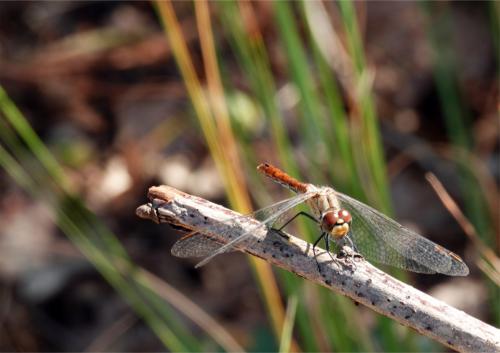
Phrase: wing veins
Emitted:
{"points": [[284, 206], [401, 241]]}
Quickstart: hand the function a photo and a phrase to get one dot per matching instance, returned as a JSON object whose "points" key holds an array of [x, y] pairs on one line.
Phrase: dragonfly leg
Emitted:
{"points": [[301, 213], [354, 251], [327, 243], [351, 244], [314, 249]]}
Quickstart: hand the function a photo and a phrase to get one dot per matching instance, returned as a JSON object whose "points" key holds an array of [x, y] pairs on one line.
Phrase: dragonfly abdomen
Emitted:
{"points": [[282, 178]]}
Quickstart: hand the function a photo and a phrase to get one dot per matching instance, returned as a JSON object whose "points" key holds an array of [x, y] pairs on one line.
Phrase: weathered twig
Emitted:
{"points": [[355, 278]]}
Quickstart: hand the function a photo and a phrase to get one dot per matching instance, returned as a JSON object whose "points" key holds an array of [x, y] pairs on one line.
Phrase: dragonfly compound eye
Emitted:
{"points": [[345, 215], [329, 220], [336, 222]]}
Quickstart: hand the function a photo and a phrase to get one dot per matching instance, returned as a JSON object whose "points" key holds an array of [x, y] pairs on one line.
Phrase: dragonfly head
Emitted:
{"points": [[336, 222]]}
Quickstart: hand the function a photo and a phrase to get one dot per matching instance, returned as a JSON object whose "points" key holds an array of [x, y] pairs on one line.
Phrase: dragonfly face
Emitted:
{"points": [[337, 223]]}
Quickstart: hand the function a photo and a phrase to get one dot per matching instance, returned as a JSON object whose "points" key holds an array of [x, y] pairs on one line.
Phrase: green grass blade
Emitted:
{"points": [[370, 134], [252, 56], [99, 258], [286, 335], [82, 227], [14, 116], [311, 114], [345, 177]]}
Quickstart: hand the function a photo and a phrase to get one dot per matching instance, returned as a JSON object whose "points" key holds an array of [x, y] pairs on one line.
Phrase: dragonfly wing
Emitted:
{"points": [[382, 239], [195, 245], [200, 244], [277, 210], [375, 248], [268, 216]]}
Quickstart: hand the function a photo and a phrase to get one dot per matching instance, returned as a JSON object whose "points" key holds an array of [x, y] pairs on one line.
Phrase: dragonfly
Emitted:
{"points": [[341, 220]]}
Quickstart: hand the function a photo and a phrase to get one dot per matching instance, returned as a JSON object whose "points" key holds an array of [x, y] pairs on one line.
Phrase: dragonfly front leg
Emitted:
{"points": [[352, 252], [353, 247], [327, 244], [314, 249]]}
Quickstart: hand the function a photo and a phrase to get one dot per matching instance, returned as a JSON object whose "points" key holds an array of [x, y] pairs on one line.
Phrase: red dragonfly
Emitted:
{"points": [[341, 219]]}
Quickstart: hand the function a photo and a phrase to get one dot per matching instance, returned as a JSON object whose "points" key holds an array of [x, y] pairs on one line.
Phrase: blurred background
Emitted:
{"points": [[101, 100]]}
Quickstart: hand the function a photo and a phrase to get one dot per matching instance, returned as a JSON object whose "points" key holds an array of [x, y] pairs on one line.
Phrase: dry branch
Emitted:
{"points": [[362, 282]]}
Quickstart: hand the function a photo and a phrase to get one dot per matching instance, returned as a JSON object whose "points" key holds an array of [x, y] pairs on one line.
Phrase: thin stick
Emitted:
{"points": [[360, 281]]}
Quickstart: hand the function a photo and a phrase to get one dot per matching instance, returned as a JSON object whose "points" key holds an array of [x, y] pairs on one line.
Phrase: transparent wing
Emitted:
{"points": [[381, 239], [375, 248], [267, 215], [195, 245]]}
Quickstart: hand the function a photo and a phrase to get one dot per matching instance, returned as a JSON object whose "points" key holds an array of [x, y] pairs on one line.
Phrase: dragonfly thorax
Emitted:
{"points": [[336, 222]]}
